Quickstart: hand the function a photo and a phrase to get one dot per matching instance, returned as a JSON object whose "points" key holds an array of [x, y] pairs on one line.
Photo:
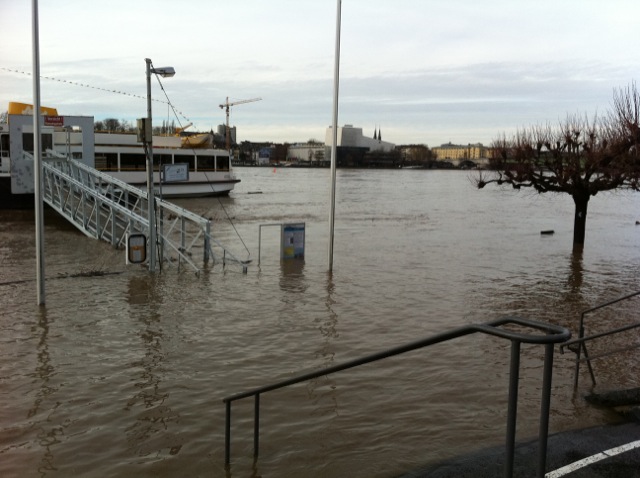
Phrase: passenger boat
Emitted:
{"points": [[121, 156], [118, 154]]}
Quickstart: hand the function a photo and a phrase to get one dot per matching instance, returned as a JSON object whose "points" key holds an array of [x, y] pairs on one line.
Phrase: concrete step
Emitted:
{"points": [[615, 398]]}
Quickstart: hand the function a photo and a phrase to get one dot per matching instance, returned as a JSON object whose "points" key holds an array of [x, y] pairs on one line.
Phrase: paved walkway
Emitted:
{"points": [[601, 452]]}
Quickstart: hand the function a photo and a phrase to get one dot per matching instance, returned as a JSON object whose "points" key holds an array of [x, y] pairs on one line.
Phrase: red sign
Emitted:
{"points": [[54, 120]]}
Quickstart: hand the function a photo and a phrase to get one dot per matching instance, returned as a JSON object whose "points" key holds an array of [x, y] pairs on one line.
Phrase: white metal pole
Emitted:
{"points": [[150, 194], [37, 156], [336, 84]]}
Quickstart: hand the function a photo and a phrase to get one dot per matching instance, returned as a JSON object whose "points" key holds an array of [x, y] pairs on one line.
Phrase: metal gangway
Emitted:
{"points": [[108, 209]]}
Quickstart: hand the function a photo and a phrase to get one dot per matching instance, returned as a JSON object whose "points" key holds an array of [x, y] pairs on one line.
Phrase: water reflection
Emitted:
{"points": [[49, 433], [322, 390], [147, 434], [576, 271], [292, 277], [575, 298], [238, 327]]}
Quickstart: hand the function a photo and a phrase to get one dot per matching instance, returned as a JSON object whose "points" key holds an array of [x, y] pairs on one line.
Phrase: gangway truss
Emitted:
{"points": [[108, 209]]}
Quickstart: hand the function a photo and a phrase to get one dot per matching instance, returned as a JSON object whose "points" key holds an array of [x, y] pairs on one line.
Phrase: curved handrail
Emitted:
{"points": [[559, 334], [552, 334]]}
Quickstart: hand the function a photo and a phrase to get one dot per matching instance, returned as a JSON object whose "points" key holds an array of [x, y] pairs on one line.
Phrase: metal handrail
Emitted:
{"points": [[581, 340], [553, 334]]}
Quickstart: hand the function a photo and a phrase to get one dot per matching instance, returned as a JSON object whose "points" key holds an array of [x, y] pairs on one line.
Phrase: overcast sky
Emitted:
{"points": [[424, 71]]}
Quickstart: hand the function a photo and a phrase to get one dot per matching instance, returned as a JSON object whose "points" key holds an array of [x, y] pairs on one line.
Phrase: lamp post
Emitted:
{"points": [[165, 72]]}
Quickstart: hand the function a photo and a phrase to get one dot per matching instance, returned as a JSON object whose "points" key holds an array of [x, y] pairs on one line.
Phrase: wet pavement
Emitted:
{"points": [[600, 452]]}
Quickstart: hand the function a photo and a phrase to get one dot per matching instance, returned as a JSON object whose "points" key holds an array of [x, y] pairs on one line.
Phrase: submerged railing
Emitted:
{"points": [[579, 345], [552, 335], [109, 209]]}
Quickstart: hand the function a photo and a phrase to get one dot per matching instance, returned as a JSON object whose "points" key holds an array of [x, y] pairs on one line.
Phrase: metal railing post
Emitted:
{"points": [[207, 242], [227, 435], [256, 426], [545, 407], [512, 410], [259, 242]]}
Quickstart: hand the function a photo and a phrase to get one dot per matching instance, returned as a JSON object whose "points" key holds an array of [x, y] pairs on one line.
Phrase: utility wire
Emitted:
{"points": [[75, 83], [176, 113]]}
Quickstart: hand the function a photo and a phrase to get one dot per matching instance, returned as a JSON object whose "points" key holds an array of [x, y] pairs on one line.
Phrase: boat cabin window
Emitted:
{"points": [[181, 158], [107, 161], [159, 159], [132, 161], [223, 163], [190, 160], [27, 142], [206, 163]]}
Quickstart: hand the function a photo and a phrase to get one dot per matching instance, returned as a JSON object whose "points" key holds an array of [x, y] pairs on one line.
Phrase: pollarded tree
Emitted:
{"points": [[578, 157]]}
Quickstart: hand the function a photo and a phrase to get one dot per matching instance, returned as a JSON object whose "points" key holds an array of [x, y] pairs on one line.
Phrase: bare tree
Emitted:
{"points": [[580, 157], [111, 124]]}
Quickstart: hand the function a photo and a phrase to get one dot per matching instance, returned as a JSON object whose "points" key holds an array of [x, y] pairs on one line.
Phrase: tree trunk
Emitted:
{"points": [[580, 221]]}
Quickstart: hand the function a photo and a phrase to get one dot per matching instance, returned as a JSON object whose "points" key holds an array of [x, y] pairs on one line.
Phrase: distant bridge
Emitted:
{"points": [[458, 162]]}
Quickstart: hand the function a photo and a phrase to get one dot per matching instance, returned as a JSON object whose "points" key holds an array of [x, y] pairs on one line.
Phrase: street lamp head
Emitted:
{"points": [[165, 71]]}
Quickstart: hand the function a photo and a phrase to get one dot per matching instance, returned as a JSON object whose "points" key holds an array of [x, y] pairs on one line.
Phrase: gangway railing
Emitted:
{"points": [[108, 209], [502, 328], [579, 345]]}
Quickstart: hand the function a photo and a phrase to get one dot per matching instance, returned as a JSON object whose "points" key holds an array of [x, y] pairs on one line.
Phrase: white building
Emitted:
{"points": [[306, 153], [351, 137]]}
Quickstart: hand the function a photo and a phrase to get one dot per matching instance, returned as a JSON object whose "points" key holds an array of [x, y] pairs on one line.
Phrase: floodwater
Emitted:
{"points": [[123, 373]]}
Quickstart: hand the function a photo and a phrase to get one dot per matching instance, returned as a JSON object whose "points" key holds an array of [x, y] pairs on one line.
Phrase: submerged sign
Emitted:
{"points": [[292, 236]]}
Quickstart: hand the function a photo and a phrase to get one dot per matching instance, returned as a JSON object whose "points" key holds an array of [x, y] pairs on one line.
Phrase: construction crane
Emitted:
{"points": [[227, 105]]}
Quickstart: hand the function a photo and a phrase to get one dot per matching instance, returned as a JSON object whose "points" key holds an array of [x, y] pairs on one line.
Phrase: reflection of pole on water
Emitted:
{"points": [[153, 417], [323, 388], [49, 435]]}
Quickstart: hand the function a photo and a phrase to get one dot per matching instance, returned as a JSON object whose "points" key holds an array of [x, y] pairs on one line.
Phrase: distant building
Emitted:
{"points": [[264, 156], [222, 134], [311, 153], [457, 153], [270, 154], [352, 146], [350, 137]]}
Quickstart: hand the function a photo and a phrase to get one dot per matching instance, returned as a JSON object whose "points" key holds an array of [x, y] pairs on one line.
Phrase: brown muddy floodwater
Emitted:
{"points": [[123, 373]]}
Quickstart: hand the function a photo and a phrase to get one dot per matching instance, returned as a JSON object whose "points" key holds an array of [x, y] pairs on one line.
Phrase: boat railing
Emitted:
{"points": [[579, 345], [510, 328], [106, 208]]}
